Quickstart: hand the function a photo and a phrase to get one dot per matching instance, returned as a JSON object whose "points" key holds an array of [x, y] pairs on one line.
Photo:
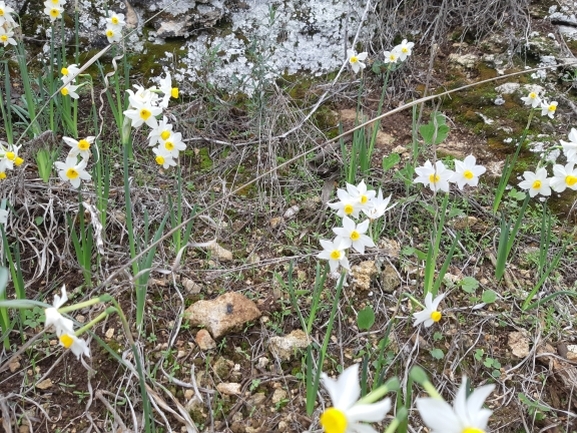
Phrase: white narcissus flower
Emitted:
{"points": [[467, 172], [54, 318], [72, 171], [69, 73], [361, 194], [466, 415], [404, 49], [163, 157], [167, 89], [356, 60], [173, 144], [564, 177], [346, 415], [378, 206], [548, 108], [347, 205], [536, 183], [161, 133], [78, 346], [334, 252], [115, 21], [10, 158], [352, 234], [113, 34], [70, 90], [142, 96], [431, 313], [570, 147], [6, 37], [143, 113], [392, 56], [81, 147], [532, 99], [436, 178], [54, 11], [6, 13]]}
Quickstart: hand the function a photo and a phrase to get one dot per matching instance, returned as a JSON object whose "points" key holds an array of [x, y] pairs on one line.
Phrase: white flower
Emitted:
{"points": [[163, 157], [404, 49], [72, 171], [564, 177], [361, 194], [392, 56], [548, 108], [173, 145], [142, 96], [570, 147], [3, 216], [54, 318], [430, 314], [467, 172], [167, 89], [436, 178], [6, 14], [536, 183], [81, 147], [9, 157], [143, 113], [346, 415], [53, 10], [78, 346], [6, 37], [356, 60], [334, 252], [69, 73], [347, 205], [162, 132], [466, 415], [354, 235], [378, 206], [113, 34], [115, 21], [70, 90], [532, 99]]}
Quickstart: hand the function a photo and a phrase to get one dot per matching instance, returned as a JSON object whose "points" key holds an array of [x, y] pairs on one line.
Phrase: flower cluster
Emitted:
{"points": [[114, 24], [73, 169], [7, 25], [54, 9], [438, 177], [398, 54], [144, 107], [64, 327], [69, 75], [564, 176], [535, 101], [8, 158], [352, 202]]}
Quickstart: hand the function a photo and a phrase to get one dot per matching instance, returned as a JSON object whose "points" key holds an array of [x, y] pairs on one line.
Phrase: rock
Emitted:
{"points": [[389, 279], [467, 61], [279, 395], [219, 252], [204, 340], [285, 347], [518, 342], [229, 388], [257, 399], [507, 88], [190, 286], [362, 274], [45, 384], [224, 314]]}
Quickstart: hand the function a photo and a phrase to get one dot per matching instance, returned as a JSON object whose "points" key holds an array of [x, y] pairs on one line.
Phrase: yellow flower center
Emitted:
{"points": [[64, 71], [11, 156], [159, 160], [174, 92], [54, 13], [536, 184], [335, 254], [436, 316], [4, 38], [405, 50], [64, 91], [355, 235], [532, 95], [72, 173], [392, 57], [552, 108], [145, 113], [354, 59], [83, 144], [18, 161], [2, 175], [115, 20], [165, 134], [571, 180], [364, 199], [169, 145], [109, 33], [335, 421], [472, 430], [468, 174], [434, 178], [66, 340], [1, 12], [348, 209], [56, 2]]}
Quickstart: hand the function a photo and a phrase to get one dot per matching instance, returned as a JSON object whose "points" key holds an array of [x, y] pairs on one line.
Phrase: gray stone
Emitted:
{"points": [[285, 347]]}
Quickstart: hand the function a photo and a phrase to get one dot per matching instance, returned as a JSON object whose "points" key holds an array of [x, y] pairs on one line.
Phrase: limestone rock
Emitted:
{"points": [[518, 342], [363, 274], [389, 279], [229, 388], [285, 347], [204, 340], [222, 315]]}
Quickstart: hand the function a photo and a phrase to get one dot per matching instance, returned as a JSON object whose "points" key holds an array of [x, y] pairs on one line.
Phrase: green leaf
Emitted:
{"points": [[3, 280], [390, 161], [437, 354], [436, 131], [489, 296], [437, 336], [366, 318], [469, 284], [38, 220]]}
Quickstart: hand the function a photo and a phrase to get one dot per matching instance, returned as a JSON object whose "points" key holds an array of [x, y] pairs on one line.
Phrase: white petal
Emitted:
{"points": [[438, 415], [374, 412], [349, 388]]}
